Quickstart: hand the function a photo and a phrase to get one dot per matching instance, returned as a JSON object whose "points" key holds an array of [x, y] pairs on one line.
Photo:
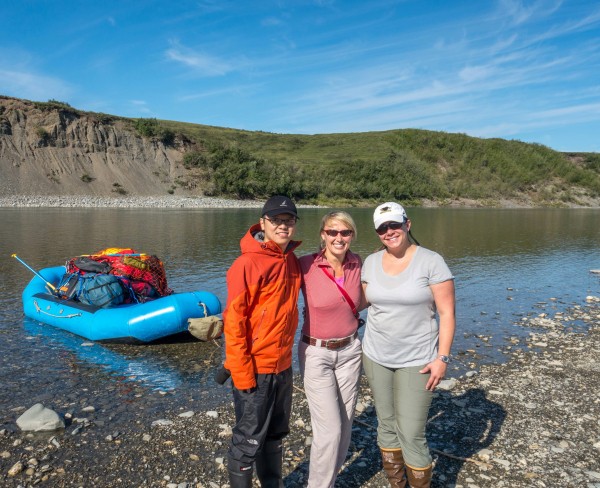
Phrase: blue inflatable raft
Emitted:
{"points": [[137, 322]]}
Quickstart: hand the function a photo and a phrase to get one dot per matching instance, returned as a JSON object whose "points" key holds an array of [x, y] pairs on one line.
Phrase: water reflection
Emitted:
{"points": [[507, 263], [144, 370]]}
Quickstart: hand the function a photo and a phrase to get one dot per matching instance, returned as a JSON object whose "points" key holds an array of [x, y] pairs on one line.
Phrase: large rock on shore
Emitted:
{"points": [[39, 418]]}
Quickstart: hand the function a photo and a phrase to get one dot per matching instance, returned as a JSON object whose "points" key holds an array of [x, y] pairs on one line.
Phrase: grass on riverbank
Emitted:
{"points": [[409, 165]]}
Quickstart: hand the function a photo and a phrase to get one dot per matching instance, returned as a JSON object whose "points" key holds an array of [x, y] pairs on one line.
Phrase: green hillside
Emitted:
{"points": [[362, 168], [407, 164]]}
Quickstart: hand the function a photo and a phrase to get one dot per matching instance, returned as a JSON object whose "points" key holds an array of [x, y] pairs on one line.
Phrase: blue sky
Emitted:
{"points": [[526, 70]]}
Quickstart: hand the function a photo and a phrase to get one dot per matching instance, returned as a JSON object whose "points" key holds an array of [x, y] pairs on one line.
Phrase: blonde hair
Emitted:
{"points": [[341, 216]]}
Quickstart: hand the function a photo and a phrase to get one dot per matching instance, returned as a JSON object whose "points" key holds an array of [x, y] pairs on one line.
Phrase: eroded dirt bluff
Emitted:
{"points": [[61, 151]]}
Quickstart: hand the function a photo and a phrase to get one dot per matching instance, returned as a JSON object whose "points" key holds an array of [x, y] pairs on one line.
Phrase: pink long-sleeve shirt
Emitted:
{"points": [[327, 314]]}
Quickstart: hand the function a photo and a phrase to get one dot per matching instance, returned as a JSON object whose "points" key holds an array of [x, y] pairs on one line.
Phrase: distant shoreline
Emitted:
{"points": [[81, 201], [172, 201]]}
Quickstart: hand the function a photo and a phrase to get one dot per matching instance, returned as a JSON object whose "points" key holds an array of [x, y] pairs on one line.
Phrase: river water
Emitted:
{"points": [[508, 264]]}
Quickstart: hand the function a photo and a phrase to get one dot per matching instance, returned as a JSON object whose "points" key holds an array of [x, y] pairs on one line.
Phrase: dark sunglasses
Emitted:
{"points": [[383, 228], [334, 233]]}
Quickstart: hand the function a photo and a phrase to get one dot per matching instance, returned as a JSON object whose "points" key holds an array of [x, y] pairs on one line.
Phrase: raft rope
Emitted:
{"points": [[39, 310], [70, 316]]}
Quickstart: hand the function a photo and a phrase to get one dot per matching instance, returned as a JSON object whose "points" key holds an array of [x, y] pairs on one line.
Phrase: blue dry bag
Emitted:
{"points": [[101, 290]]}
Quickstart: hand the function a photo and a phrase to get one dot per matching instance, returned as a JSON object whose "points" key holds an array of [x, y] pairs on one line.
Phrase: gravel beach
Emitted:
{"points": [[85, 201], [175, 201], [533, 421]]}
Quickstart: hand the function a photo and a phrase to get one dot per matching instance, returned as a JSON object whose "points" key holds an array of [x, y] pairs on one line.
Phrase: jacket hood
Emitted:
{"points": [[253, 241]]}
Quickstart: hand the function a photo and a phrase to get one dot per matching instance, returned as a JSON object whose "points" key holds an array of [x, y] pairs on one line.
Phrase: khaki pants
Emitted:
{"points": [[402, 404], [331, 384]]}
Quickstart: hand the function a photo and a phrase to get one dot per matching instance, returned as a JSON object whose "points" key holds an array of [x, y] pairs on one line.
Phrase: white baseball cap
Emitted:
{"points": [[389, 212]]}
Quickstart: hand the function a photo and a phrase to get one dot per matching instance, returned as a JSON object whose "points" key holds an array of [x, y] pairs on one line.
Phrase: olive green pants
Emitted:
{"points": [[402, 404]]}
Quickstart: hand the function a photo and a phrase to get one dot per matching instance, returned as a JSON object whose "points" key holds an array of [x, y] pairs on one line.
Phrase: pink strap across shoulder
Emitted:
{"points": [[342, 291]]}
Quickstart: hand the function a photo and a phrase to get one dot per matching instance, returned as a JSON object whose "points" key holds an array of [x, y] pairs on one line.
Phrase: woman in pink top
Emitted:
{"points": [[330, 350]]}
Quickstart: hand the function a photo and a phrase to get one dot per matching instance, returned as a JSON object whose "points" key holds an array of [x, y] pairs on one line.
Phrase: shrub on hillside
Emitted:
{"points": [[195, 159], [147, 127], [151, 129], [51, 105], [43, 135], [400, 176]]}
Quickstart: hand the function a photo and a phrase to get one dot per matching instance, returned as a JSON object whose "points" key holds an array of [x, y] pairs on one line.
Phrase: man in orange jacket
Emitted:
{"points": [[260, 322]]}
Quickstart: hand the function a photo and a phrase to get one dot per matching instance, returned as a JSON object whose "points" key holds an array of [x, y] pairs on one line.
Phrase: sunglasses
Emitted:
{"points": [[383, 228], [277, 221], [334, 233]]}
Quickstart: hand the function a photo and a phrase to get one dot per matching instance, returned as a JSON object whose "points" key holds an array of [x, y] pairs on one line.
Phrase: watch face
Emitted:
{"points": [[444, 359]]}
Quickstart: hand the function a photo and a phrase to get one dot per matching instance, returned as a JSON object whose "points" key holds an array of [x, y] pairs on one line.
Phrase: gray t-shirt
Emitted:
{"points": [[402, 329]]}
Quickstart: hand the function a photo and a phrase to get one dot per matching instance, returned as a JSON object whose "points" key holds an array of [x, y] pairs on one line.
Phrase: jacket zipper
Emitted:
{"points": [[262, 318]]}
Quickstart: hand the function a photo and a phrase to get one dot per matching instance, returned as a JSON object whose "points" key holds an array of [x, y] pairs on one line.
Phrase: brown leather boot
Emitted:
{"points": [[393, 465], [419, 477]]}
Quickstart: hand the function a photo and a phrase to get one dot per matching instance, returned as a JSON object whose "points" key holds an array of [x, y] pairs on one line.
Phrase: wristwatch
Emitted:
{"points": [[444, 358]]}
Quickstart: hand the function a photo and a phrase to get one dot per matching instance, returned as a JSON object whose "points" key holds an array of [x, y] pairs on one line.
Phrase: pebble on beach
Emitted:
{"points": [[533, 421]]}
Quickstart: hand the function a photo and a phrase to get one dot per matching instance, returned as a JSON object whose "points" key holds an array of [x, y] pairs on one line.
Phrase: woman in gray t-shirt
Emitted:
{"points": [[405, 349]]}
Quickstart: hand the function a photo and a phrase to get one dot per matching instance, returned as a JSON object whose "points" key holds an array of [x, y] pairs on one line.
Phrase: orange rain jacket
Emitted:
{"points": [[261, 315]]}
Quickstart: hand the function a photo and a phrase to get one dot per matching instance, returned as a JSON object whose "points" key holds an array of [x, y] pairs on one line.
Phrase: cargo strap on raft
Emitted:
{"points": [[39, 310]]}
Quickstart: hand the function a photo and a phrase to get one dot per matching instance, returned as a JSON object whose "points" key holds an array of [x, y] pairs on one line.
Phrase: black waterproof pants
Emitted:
{"points": [[262, 417]]}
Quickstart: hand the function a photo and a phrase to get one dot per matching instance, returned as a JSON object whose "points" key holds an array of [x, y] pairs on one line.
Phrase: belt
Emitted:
{"points": [[330, 343]]}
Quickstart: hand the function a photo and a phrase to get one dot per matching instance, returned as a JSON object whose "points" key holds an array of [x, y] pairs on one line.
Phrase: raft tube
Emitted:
{"points": [[136, 322]]}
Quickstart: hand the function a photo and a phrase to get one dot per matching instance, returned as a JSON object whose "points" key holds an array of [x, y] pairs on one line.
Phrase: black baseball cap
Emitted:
{"points": [[279, 204]]}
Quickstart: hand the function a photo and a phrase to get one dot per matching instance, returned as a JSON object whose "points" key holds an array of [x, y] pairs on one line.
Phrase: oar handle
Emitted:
{"points": [[35, 272]]}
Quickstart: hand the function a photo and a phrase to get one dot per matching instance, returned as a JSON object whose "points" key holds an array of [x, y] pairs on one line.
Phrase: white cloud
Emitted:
{"points": [[23, 84], [243, 90], [270, 22], [502, 44], [519, 12], [583, 111], [140, 107], [202, 64], [495, 70], [471, 74]]}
